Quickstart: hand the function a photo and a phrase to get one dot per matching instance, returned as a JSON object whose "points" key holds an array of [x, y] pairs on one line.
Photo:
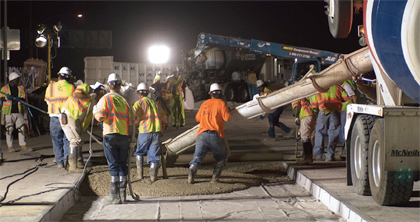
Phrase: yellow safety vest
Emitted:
{"points": [[150, 115], [7, 105], [353, 86], [116, 113], [57, 94], [77, 107], [178, 84]]}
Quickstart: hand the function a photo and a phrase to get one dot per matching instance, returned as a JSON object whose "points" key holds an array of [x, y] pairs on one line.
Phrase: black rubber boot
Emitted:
{"points": [[307, 153], [114, 192], [123, 188], [72, 159], [192, 173], [139, 164], [80, 163], [217, 171]]}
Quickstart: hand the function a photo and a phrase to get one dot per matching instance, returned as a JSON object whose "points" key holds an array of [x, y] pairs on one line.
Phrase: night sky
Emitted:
{"points": [[136, 25]]}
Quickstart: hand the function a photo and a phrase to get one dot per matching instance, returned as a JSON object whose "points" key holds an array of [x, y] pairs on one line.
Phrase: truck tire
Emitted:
{"points": [[229, 93], [340, 17], [359, 145], [242, 95], [387, 187]]}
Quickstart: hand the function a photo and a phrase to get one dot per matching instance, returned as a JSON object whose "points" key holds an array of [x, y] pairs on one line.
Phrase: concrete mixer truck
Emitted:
{"points": [[382, 140], [228, 61]]}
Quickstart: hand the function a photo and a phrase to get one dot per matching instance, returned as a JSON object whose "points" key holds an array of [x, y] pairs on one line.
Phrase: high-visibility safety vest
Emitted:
{"points": [[330, 101], [353, 86], [177, 83], [150, 115], [7, 105], [77, 107], [57, 94], [116, 114], [304, 107], [265, 92]]}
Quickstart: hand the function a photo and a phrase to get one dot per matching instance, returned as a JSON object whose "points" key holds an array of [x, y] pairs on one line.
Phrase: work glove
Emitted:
{"points": [[9, 97], [297, 121]]}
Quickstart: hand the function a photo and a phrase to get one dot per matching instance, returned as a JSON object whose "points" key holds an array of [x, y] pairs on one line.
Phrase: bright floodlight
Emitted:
{"points": [[79, 15], [158, 54]]}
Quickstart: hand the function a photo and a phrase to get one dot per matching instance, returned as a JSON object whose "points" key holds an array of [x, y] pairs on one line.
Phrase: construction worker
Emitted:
{"points": [[349, 87], [114, 110], [210, 134], [273, 118], [161, 92], [150, 117], [56, 95], [305, 117], [328, 120], [13, 111], [76, 117], [176, 84]]}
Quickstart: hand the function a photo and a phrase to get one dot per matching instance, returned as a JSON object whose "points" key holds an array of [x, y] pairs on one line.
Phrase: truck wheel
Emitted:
{"points": [[387, 187], [359, 144], [229, 93], [340, 17], [242, 95]]}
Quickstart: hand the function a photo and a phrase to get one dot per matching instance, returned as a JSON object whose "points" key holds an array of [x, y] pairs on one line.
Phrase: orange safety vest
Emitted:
{"points": [[116, 113], [150, 115], [7, 105], [57, 94], [166, 95], [330, 101], [304, 107]]}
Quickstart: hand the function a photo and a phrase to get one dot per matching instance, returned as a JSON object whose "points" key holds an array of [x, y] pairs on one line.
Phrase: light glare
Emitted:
{"points": [[158, 54]]}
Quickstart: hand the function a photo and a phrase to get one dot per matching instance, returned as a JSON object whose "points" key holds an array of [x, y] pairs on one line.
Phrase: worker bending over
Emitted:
{"points": [[114, 110], [210, 134], [13, 111], [56, 95], [150, 117]]}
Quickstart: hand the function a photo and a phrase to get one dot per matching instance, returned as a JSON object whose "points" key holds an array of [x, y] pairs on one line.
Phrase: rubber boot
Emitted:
{"points": [[80, 163], [192, 173], [72, 158], [153, 171], [307, 153], [114, 192], [217, 171], [123, 188], [139, 163]]}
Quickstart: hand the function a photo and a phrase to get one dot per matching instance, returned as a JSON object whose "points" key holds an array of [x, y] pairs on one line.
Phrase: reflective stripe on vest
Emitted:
{"points": [[76, 107], [149, 115], [179, 84], [331, 100], [166, 95], [7, 105], [57, 94], [266, 91], [116, 113]]}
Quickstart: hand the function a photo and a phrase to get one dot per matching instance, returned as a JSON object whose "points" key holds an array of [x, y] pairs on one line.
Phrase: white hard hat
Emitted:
{"points": [[13, 76], [215, 87], [96, 86], [64, 71], [158, 73], [114, 77], [142, 87], [260, 83]]}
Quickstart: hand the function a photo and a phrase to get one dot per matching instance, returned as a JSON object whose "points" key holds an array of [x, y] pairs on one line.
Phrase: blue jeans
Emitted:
{"points": [[116, 149], [59, 140], [209, 141], [149, 144], [343, 123], [326, 124], [273, 119]]}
